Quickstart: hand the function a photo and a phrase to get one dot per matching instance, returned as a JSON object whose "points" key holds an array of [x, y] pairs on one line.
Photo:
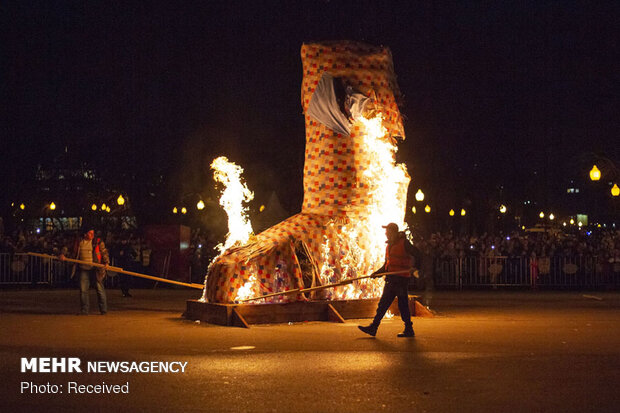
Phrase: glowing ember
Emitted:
{"points": [[234, 195]]}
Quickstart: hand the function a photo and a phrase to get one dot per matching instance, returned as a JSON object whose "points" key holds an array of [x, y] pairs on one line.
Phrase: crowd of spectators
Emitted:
{"points": [[127, 249], [601, 243], [131, 251]]}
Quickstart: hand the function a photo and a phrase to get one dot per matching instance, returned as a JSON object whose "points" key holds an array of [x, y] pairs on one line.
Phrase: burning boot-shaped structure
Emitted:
{"points": [[352, 186]]}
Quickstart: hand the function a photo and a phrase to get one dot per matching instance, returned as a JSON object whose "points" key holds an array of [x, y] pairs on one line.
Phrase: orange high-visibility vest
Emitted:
{"points": [[397, 259]]}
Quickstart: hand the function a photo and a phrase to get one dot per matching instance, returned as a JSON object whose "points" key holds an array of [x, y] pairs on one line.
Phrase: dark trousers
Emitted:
{"points": [[85, 280], [125, 283], [395, 286]]}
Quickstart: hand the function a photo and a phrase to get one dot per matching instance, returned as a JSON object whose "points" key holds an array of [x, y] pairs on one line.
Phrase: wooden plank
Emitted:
{"points": [[333, 315], [207, 312], [237, 319], [283, 313], [365, 308], [244, 315]]}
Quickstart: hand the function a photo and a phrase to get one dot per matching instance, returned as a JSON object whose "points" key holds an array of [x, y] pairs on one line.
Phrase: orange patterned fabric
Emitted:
{"points": [[333, 191]]}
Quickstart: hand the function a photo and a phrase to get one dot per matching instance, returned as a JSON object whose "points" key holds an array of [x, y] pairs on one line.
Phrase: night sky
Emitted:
{"points": [[496, 93]]}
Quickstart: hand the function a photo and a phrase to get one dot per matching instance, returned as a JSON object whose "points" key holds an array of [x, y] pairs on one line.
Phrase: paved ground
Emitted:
{"points": [[486, 352]]}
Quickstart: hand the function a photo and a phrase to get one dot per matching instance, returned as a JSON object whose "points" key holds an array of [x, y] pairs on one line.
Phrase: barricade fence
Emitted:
{"points": [[24, 269], [455, 273], [558, 272]]}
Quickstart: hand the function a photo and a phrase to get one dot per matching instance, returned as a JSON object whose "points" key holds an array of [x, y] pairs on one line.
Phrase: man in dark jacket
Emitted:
{"points": [[403, 258], [88, 248]]}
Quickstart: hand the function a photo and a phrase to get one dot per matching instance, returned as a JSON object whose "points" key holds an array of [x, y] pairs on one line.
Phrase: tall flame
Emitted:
{"points": [[365, 237], [234, 195]]}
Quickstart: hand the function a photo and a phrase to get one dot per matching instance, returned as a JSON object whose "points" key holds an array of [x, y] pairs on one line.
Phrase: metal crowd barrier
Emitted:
{"points": [[556, 272], [23, 269], [456, 273]]}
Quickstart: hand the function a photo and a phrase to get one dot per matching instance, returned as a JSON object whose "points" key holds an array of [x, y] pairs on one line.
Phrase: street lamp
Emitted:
{"points": [[463, 212], [551, 216], [451, 212], [52, 206], [419, 196], [615, 191], [120, 200], [104, 206], [175, 210], [200, 205], [22, 207], [427, 208], [413, 209], [595, 173], [572, 221], [183, 210], [93, 207], [541, 215], [503, 209]]}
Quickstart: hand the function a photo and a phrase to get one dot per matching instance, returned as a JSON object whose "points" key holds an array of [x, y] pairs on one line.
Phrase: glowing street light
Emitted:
{"points": [[413, 209], [104, 206], [503, 209], [451, 212], [572, 221], [107, 209], [419, 196], [615, 191], [463, 212], [262, 208], [175, 210], [93, 207], [52, 206], [120, 200], [551, 216], [541, 215], [595, 173], [200, 205], [22, 206], [183, 210], [427, 209], [564, 223], [580, 224]]}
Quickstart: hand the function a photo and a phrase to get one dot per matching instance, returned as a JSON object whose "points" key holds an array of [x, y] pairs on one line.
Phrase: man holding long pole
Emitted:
{"points": [[91, 250], [400, 257]]}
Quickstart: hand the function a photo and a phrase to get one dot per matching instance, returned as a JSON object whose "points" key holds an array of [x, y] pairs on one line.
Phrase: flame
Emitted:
{"points": [[249, 289], [364, 238], [234, 195]]}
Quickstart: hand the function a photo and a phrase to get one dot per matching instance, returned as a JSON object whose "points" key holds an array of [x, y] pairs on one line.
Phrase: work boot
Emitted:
{"points": [[408, 332], [371, 330]]}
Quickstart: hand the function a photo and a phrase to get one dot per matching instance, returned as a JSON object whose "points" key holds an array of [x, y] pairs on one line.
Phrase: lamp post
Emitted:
{"points": [[595, 173]]}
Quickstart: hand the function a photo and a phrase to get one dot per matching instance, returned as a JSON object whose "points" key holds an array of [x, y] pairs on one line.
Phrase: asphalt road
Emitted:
{"points": [[485, 352]]}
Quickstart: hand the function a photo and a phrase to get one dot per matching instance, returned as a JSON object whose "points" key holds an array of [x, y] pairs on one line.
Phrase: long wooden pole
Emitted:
{"points": [[118, 270], [320, 287]]}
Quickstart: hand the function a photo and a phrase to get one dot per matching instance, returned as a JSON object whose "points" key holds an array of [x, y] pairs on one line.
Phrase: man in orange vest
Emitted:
{"points": [[400, 257], [90, 249]]}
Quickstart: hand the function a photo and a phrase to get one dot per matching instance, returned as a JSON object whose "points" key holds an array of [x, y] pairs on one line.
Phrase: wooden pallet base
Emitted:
{"points": [[244, 315]]}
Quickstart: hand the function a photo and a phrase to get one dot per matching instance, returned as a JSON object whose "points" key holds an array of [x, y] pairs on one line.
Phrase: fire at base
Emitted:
{"points": [[352, 186]]}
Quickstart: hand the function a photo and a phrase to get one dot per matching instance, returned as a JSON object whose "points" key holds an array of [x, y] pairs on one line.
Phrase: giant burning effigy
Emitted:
{"points": [[352, 186]]}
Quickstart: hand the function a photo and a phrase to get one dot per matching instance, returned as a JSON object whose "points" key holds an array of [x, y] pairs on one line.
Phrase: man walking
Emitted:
{"points": [[93, 250], [400, 257]]}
